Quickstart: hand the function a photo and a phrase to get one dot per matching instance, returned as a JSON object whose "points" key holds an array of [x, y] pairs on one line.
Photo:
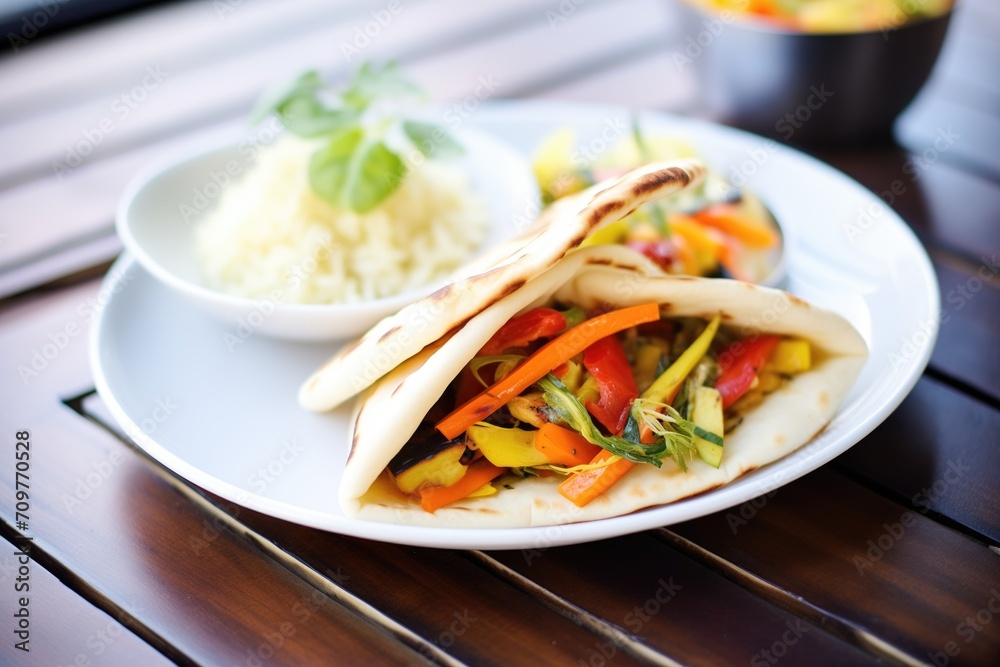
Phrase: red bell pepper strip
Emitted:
{"points": [[740, 363], [523, 329], [607, 363], [551, 355]]}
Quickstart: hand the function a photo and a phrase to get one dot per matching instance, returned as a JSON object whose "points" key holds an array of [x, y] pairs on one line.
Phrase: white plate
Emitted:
{"points": [[223, 414]]}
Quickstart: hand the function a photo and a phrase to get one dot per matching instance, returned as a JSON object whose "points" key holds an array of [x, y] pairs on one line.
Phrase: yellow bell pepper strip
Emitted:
{"points": [[790, 357], [611, 233], [507, 447], [740, 363], [664, 389], [480, 472], [547, 357]]}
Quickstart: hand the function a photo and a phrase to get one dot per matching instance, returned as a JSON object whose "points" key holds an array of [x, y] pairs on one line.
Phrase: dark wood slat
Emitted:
{"points": [[968, 346], [60, 263], [40, 217], [516, 60], [935, 111], [179, 100], [439, 594], [426, 590], [872, 563], [204, 592], [130, 538], [674, 604], [64, 628], [937, 452], [178, 36], [947, 208]]}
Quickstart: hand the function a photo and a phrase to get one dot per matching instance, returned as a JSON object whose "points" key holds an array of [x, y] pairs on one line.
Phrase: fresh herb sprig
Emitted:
{"points": [[571, 410], [358, 165], [674, 435]]}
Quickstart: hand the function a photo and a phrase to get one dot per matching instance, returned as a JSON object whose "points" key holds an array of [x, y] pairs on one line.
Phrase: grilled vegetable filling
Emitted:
{"points": [[589, 398]]}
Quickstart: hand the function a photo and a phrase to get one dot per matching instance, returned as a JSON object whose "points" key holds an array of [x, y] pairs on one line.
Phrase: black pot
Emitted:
{"points": [[807, 88]]}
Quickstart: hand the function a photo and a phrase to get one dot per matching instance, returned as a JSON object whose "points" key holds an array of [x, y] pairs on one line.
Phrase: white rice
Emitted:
{"points": [[270, 232]]}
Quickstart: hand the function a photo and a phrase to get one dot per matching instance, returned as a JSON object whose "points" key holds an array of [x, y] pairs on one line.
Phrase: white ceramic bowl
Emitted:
{"points": [[160, 209]]}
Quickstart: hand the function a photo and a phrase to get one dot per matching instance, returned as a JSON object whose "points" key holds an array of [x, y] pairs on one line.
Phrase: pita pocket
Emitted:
{"points": [[407, 403]]}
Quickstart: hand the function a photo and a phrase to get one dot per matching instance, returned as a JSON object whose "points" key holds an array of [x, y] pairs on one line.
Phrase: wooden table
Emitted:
{"points": [[888, 554]]}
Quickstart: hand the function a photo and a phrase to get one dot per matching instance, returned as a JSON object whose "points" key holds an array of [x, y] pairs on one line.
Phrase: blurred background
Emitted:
{"points": [[93, 90]]}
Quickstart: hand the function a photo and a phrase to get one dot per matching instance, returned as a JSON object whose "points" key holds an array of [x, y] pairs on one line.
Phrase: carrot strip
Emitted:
{"points": [[706, 249], [729, 219], [564, 446], [547, 357], [480, 472], [581, 488]]}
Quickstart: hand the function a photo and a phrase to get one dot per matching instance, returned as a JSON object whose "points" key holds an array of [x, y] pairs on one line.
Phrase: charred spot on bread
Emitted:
{"points": [[388, 334]]}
